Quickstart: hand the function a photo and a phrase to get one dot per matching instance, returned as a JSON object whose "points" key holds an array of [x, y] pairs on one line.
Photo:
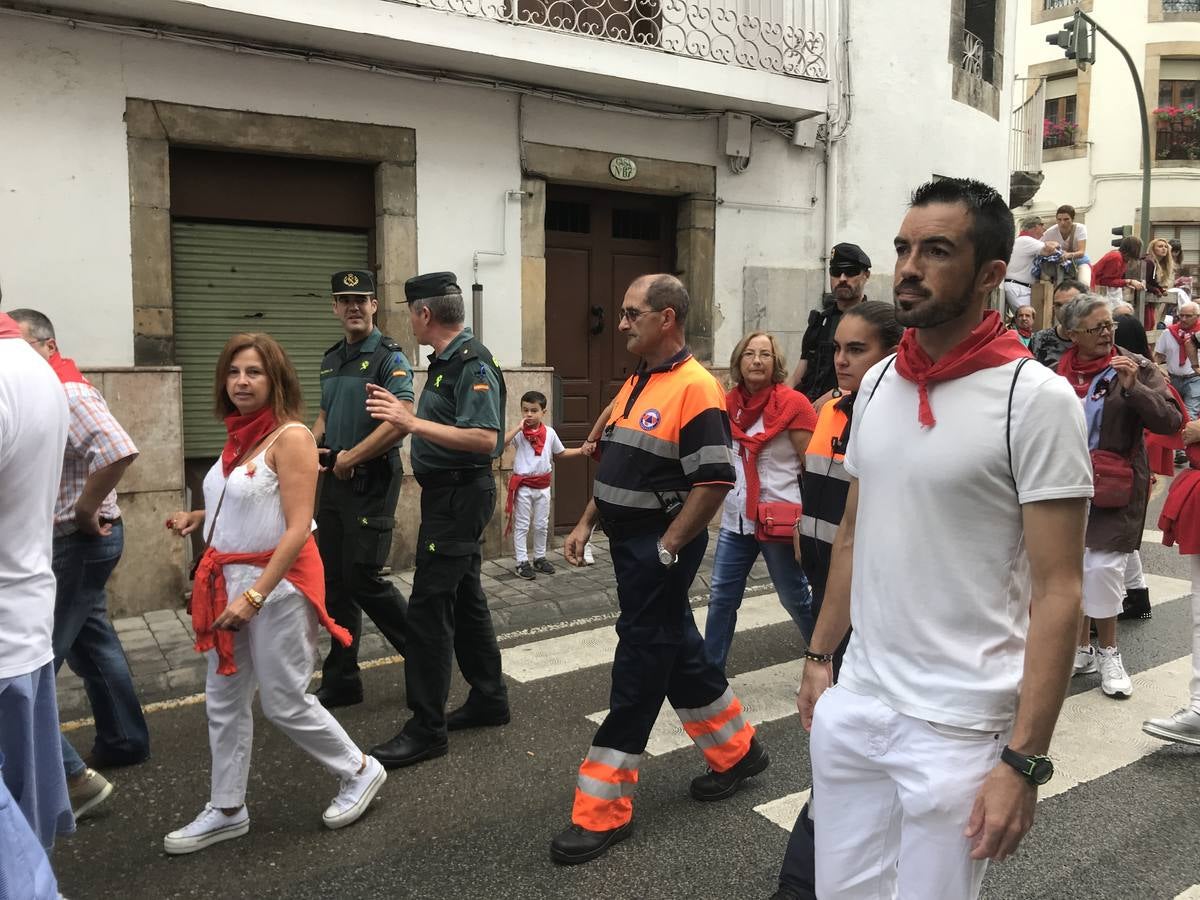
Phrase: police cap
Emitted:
{"points": [[435, 284], [848, 258], [352, 281]]}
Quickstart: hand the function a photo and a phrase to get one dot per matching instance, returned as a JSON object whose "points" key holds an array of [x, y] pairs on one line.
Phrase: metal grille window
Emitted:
{"points": [[1058, 4], [636, 224], [1179, 6], [231, 278], [564, 215]]}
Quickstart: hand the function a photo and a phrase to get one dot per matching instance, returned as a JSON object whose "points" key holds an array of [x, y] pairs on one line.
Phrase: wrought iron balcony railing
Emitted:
{"points": [[1058, 4], [781, 36]]}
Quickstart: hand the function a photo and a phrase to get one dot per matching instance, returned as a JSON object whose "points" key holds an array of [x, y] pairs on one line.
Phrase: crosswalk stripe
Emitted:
{"points": [[595, 647], [1095, 736], [766, 694], [1192, 893], [1150, 536], [1164, 589]]}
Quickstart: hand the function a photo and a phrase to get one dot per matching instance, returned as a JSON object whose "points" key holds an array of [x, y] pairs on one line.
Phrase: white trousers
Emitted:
{"points": [[531, 509], [1195, 633], [275, 653], [1103, 583], [1016, 295], [1135, 578], [891, 799]]}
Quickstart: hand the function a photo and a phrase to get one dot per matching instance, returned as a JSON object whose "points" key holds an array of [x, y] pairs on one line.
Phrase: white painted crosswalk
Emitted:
{"points": [[1192, 893]]}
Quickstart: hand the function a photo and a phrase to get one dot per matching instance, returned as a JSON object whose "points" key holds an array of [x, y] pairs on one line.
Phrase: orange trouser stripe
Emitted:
{"points": [[714, 723], [595, 814], [726, 755], [601, 772]]}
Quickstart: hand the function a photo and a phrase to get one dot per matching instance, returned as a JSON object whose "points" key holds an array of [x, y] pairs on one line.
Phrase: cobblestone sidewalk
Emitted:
{"points": [[165, 666]]}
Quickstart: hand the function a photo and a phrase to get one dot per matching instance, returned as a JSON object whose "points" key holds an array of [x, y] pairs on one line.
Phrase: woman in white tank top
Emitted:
{"points": [[259, 595]]}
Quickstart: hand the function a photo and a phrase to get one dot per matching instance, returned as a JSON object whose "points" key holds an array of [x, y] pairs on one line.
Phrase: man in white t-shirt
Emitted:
{"points": [[927, 753], [1176, 348], [528, 504], [33, 433], [1018, 279]]}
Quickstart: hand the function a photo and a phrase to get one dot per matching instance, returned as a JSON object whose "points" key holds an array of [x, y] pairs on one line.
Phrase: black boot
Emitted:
{"points": [[719, 785], [1136, 605], [577, 844]]}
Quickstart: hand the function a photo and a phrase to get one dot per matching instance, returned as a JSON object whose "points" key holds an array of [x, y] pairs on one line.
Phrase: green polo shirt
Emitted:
{"points": [[471, 400], [345, 371]]}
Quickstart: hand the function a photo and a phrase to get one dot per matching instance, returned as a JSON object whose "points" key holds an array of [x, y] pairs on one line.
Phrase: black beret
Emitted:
{"points": [[435, 284], [848, 257], [352, 281]]}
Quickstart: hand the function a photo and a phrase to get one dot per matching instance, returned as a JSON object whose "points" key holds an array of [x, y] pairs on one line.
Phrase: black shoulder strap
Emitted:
{"points": [[879, 380], [1008, 422]]}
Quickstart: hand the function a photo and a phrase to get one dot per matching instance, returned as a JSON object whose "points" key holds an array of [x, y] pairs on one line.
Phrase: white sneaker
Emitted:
{"points": [[210, 827], [1114, 681], [1182, 726], [1085, 660], [355, 796], [589, 558]]}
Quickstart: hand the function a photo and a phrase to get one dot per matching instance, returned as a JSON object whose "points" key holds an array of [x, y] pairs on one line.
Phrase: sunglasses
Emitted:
{"points": [[849, 273]]}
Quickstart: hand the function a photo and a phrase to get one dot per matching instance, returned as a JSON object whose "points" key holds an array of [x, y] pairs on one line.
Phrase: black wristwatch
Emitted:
{"points": [[1036, 769]]}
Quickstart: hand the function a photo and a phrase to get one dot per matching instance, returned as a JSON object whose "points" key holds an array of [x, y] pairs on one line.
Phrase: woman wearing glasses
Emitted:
{"points": [[1122, 395], [771, 425]]}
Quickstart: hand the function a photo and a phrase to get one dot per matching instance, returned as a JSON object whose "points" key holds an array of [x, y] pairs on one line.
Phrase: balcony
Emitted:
{"points": [[1177, 144], [1025, 148]]}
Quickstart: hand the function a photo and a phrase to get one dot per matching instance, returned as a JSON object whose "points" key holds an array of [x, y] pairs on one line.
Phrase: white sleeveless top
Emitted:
{"points": [[251, 517]]}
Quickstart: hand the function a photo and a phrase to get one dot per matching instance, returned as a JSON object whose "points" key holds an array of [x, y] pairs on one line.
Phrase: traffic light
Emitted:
{"points": [[1121, 232], [1077, 41]]}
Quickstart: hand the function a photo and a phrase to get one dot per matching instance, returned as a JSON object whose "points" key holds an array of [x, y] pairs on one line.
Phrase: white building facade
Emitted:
{"points": [[178, 171]]}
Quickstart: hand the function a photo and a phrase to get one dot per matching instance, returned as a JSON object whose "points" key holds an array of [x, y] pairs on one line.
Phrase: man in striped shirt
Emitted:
{"points": [[88, 541], [666, 464]]}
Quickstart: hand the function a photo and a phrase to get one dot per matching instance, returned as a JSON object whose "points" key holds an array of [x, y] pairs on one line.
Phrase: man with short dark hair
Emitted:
{"points": [[361, 487], [1049, 344], [1018, 280], [666, 464], [849, 270], [457, 432], [914, 787], [89, 539]]}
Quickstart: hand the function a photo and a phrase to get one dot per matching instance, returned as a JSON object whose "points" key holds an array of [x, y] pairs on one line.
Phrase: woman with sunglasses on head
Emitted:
{"points": [[259, 594], [1122, 394], [771, 425], [867, 334]]}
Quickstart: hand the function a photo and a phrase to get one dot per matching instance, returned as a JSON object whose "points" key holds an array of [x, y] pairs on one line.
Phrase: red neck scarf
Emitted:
{"points": [[536, 437], [1180, 336], [66, 370], [1028, 233], [1025, 332], [9, 327], [780, 408], [1080, 374], [245, 432], [988, 345]]}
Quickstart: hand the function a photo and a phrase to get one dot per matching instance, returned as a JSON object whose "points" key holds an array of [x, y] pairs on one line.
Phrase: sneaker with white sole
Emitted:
{"points": [[1085, 660], [210, 827], [88, 793], [355, 796], [1182, 726], [1114, 680]]}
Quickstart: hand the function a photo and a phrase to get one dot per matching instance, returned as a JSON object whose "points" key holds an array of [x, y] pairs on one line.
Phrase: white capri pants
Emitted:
{"points": [[274, 653], [892, 796], [1103, 583], [1135, 577], [1196, 633], [1016, 295], [531, 509]]}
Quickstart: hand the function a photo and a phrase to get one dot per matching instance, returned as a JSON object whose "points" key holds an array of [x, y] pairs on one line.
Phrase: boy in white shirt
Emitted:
{"points": [[528, 502]]}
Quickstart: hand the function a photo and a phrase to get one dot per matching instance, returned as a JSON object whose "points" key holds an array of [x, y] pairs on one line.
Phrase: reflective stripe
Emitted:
{"points": [[643, 441], [722, 735], [819, 464], [634, 499], [702, 713], [818, 529], [615, 758], [714, 454], [606, 790]]}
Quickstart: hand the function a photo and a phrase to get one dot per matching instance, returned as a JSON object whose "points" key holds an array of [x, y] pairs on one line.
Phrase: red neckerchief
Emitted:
{"points": [[536, 437], [1028, 233], [1178, 333], [66, 370], [1026, 333], [9, 327], [988, 345], [245, 432], [209, 597], [1080, 374], [781, 409]]}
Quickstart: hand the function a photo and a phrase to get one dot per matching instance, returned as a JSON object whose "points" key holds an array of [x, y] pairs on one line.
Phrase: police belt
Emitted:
{"points": [[452, 477]]}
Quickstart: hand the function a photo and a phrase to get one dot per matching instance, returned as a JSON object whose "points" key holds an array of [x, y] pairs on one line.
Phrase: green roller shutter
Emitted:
{"points": [[231, 278]]}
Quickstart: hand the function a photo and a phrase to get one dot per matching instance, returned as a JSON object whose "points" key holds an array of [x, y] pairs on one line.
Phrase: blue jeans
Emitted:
{"points": [[85, 639], [736, 553], [1189, 389]]}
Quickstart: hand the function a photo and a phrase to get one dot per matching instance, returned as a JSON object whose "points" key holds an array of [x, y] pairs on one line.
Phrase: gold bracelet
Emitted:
{"points": [[254, 598]]}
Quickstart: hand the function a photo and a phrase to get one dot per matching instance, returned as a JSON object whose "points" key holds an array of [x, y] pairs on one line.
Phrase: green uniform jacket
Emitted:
{"points": [[346, 369]]}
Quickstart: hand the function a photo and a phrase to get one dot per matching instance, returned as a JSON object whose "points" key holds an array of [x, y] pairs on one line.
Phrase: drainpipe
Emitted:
{"points": [[476, 285], [832, 153]]}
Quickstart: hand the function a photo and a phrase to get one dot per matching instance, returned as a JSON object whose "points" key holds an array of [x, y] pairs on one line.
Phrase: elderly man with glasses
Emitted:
{"points": [[1176, 350]]}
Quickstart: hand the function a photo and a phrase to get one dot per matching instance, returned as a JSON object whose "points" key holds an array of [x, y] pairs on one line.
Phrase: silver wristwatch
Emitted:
{"points": [[666, 557]]}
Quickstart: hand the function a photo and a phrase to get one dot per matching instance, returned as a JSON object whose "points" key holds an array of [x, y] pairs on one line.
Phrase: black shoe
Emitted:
{"points": [[331, 698], [785, 894], [719, 785], [103, 759], [543, 566], [1136, 605], [1181, 458], [577, 844], [525, 570], [403, 750], [465, 717]]}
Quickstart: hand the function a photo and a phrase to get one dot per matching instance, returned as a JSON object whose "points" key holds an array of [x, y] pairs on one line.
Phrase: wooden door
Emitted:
{"points": [[597, 242]]}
